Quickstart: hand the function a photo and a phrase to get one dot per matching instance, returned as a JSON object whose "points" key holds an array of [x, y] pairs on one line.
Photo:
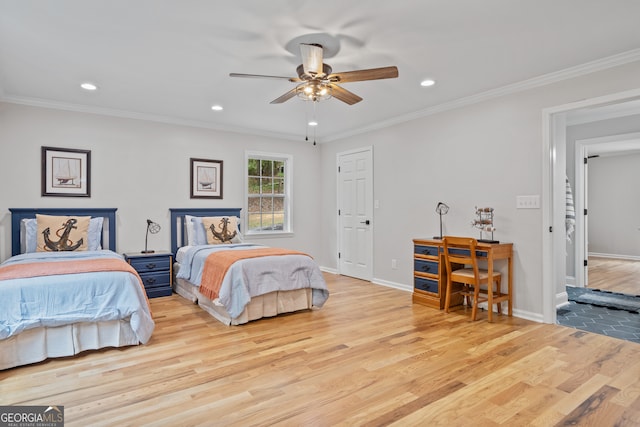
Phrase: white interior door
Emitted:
{"points": [[355, 213]]}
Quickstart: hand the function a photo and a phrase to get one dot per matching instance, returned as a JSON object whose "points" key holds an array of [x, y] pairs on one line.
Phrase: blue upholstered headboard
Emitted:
{"points": [[178, 226], [108, 226]]}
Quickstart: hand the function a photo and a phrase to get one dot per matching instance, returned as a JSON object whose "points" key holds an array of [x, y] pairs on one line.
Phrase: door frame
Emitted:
{"points": [[369, 254], [553, 188]]}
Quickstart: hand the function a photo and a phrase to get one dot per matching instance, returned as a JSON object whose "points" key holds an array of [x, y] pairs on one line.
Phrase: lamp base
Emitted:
{"points": [[488, 241], [147, 252], [437, 237]]}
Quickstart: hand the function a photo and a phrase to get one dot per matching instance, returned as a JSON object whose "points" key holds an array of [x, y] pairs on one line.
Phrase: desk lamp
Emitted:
{"points": [[153, 228], [441, 209]]}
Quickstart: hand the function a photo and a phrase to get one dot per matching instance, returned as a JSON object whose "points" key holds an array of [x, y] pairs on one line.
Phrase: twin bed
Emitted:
{"points": [[56, 304], [261, 282]]}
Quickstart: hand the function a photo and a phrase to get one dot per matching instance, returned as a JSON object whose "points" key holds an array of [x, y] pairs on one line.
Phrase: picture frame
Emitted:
{"points": [[66, 172], [206, 179]]}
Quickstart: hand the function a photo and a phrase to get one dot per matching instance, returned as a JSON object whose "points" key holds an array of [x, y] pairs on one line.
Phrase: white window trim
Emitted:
{"points": [[288, 188]]}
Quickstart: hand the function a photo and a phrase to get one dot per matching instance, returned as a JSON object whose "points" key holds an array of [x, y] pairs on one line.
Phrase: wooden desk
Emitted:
{"points": [[430, 277]]}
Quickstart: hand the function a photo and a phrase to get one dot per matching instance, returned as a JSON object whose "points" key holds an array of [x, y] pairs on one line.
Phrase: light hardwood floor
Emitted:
{"points": [[369, 357], [615, 275]]}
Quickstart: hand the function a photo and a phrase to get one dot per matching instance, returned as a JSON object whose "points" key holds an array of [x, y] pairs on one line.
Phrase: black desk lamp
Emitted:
{"points": [[153, 228], [441, 209]]}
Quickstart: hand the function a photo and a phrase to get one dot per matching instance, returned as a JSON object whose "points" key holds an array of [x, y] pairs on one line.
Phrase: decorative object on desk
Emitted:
{"points": [[66, 172], [206, 179], [484, 222], [441, 209], [153, 228]]}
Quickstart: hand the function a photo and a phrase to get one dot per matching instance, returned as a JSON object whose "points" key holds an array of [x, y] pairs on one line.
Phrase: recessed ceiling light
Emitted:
{"points": [[427, 82], [88, 86], [313, 123], [216, 107]]}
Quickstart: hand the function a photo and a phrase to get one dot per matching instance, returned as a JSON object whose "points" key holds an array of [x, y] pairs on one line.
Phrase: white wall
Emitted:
{"points": [[614, 205], [142, 168], [484, 154]]}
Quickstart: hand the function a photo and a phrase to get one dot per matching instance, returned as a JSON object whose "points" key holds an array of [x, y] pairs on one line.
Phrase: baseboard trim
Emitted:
{"points": [[614, 256], [388, 284]]}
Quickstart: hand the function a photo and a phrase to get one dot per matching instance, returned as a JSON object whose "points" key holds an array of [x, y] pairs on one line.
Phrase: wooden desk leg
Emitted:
{"points": [[510, 284], [490, 285]]}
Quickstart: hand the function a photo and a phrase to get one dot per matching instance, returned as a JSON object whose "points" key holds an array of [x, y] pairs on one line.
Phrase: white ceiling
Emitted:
{"points": [[170, 60]]}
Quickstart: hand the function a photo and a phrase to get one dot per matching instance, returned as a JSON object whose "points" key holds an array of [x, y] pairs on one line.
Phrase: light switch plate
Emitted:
{"points": [[528, 202]]}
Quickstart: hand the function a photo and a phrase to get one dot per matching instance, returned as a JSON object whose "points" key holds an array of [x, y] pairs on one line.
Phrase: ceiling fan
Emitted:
{"points": [[317, 82]]}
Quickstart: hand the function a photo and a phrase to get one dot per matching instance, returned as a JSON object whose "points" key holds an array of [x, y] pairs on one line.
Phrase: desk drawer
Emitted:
{"points": [[425, 250], [427, 285], [425, 266], [479, 254]]}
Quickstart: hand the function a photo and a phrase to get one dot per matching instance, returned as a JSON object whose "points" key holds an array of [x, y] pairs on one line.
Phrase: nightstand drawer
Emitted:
{"points": [[153, 263], [155, 271], [154, 280]]}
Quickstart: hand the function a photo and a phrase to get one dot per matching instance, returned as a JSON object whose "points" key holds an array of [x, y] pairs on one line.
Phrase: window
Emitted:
{"points": [[268, 193]]}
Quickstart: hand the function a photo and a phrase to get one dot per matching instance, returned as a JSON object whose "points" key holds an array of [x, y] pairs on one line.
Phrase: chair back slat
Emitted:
{"points": [[460, 250]]}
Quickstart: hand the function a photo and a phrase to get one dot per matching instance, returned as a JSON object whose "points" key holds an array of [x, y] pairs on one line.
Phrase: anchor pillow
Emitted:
{"points": [[62, 233], [221, 229]]}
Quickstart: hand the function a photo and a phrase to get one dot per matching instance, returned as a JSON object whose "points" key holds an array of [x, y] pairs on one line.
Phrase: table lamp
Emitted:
{"points": [[153, 228], [441, 209]]}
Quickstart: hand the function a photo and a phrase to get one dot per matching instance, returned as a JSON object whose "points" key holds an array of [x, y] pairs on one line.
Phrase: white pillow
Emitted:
{"points": [[29, 234]]}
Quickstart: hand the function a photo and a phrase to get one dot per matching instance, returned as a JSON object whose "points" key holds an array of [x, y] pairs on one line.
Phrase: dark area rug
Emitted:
{"points": [[607, 299]]}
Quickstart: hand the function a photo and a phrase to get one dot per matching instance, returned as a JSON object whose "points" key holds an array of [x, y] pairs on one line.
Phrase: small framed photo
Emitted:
{"points": [[206, 179], [66, 172]]}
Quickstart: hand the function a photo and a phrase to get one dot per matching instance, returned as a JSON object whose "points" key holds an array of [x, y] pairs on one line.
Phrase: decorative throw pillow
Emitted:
{"points": [[221, 229], [62, 233], [29, 235]]}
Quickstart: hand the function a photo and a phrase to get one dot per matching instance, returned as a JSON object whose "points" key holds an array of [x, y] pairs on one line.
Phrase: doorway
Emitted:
{"points": [[554, 190], [613, 260]]}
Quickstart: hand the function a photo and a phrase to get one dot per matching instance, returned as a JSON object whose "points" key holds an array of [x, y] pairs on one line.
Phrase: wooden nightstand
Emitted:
{"points": [[155, 270]]}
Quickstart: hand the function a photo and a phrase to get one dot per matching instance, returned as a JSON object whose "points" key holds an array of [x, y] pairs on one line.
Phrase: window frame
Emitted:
{"points": [[287, 159]]}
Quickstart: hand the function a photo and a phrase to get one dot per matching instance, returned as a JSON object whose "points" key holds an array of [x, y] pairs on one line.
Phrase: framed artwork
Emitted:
{"points": [[66, 172], [206, 179]]}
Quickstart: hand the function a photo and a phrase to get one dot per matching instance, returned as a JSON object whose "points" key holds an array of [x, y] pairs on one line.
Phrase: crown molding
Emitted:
{"points": [[36, 102], [545, 79]]}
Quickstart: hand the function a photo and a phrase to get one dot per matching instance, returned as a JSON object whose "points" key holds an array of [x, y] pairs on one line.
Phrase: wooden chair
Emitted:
{"points": [[473, 283]]}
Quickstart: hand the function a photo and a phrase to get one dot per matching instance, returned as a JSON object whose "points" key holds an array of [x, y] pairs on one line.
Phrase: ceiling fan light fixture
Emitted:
{"points": [[313, 91]]}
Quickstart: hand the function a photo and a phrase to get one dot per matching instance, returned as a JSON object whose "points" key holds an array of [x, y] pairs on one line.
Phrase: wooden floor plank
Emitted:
{"points": [[368, 358]]}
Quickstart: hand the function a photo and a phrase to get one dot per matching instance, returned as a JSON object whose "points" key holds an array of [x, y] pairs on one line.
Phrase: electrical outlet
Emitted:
{"points": [[528, 202], [394, 264]]}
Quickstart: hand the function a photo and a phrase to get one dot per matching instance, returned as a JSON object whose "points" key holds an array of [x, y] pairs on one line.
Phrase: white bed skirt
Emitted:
{"points": [[267, 305], [35, 345]]}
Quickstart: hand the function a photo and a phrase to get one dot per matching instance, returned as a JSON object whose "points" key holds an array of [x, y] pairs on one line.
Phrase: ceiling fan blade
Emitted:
{"points": [[259, 76], [311, 58], [361, 75], [344, 95], [287, 96]]}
